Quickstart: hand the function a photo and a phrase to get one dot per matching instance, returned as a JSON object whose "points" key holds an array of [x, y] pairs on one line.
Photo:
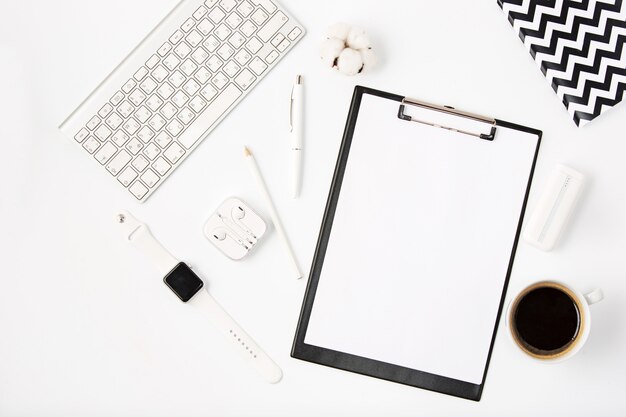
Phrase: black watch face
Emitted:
{"points": [[183, 281]]}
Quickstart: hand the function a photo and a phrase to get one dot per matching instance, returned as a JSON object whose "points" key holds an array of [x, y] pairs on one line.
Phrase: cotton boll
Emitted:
{"points": [[330, 50], [349, 62], [369, 59], [339, 31], [357, 39]]}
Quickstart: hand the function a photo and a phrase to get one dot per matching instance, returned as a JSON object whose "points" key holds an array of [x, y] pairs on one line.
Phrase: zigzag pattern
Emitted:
{"points": [[579, 45]]}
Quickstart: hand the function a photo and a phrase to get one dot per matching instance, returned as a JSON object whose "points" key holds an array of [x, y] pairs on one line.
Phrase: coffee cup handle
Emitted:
{"points": [[594, 296]]}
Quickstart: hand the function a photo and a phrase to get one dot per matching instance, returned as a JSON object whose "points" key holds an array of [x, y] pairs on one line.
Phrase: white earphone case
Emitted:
{"points": [[234, 228]]}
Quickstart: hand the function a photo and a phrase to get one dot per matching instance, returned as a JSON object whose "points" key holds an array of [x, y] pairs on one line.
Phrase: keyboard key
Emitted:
{"points": [[220, 80], [177, 79], [93, 123], [152, 61], [245, 79], [276, 22], [271, 57], [188, 25], [226, 51], [277, 39], [81, 135], [117, 98], [102, 133], [283, 45], [201, 11], [128, 87], [231, 68], [258, 66], [211, 43], [105, 153], [165, 91], [245, 8], [209, 92], [176, 37], [120, 138], [148, 85], [140, 163], [236, 40], [194, 38], [259, 17], [91, 144], [161, 166], [210, 3], [125, 109], [180, 99], [134, 146], [164, 49], [191, 87], [205, 27], [182, 50], [200, 55], [151, 151], [171, 62], [127, 176], [223, 31], [188, 67], [160, 73], [234, 20], [168, 110], [163, 139], [248, 28], [214, 63], [131, 126], [105, 110], [254, 45], [228, 5], [198, 104], [293, 35], [210, 115], [150, 178], [243, 57], [137, 97], [145, 134], [174, 153], [114, 121], [157, 122], [216, 15], [175, 127], [141, 73], [202, 75], [186, 115], [118, 162], [154, 102], [138, 190], [143, 114]]}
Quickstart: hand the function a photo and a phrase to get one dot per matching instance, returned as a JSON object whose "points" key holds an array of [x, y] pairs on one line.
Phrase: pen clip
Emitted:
{"points": [[291, 110]]}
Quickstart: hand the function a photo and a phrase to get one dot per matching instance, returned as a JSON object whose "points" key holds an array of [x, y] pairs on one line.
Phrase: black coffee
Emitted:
{"points": [[546, 320]]}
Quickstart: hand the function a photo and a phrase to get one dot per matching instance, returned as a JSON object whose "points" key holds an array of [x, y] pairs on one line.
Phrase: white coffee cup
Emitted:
{"points": [[582, 303]]}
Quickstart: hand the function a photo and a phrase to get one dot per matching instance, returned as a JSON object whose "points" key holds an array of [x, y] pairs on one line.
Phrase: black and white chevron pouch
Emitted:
{"points": [[580, 47]]}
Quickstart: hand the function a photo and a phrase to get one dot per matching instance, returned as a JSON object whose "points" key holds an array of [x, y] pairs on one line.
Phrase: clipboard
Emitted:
{"points": [[417, 243]]}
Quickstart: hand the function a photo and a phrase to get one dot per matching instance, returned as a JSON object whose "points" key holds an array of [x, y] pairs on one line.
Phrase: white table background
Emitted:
{"points": [[86, 327]]}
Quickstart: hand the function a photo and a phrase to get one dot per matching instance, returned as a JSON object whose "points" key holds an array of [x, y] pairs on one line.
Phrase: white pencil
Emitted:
{"points": [[254, 169]]}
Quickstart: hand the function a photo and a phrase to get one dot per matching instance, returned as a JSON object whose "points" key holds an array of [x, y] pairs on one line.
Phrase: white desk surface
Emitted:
{"points": [[86, 327]]}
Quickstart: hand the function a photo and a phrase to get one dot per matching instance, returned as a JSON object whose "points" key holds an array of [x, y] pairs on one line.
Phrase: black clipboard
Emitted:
{"points": [[370, 367]]}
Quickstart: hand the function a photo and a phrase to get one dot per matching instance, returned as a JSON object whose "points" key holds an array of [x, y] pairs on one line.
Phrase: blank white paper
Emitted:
{"points": [[420, 244]]}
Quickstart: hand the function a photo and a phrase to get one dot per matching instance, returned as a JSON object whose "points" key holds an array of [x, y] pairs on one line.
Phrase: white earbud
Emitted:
{"points": [[221, 233], [238, 213], [238, 230]]}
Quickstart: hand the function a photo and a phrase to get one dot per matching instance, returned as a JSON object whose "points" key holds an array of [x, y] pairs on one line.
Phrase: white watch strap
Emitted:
{"points": [[139, 235], [241, 341]]}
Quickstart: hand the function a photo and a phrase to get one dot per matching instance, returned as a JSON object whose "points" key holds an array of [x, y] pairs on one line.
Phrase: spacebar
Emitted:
{"points": [[209, 116]]}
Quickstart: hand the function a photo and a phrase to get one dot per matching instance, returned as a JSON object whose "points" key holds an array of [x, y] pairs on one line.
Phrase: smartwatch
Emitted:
{"points": [[188, 288]]}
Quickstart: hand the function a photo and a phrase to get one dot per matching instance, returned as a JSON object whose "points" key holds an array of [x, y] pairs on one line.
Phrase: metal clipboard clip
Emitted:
{"points": [[448, 110]]}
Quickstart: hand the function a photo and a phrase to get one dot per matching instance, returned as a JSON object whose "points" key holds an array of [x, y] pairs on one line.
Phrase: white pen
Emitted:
{"points": [[296, 122]]}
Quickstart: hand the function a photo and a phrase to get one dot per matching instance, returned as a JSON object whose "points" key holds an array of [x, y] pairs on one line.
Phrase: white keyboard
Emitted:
{"points": [[177, 85]]}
